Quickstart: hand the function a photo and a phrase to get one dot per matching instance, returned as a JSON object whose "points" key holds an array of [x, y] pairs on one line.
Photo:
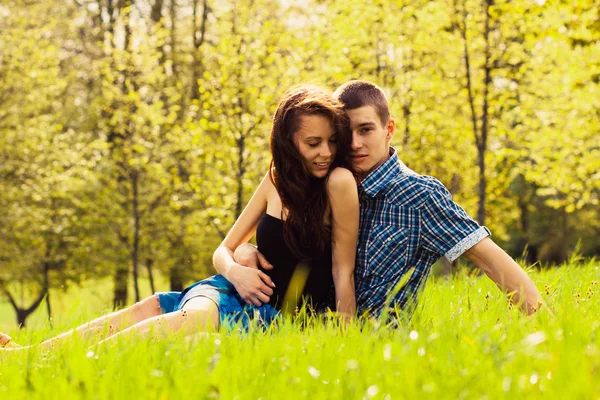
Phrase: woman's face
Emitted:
{"points": [[316, 141]]}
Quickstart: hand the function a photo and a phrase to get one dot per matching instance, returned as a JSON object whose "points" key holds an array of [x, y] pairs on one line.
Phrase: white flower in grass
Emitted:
{"points": [[421, 351], [414, 335], [506, 384], [429, 387], [157, 373], [533, 379], [372, 391], [387, 352], [315, 373], [351, 364], [535, 338], [90, 354]]}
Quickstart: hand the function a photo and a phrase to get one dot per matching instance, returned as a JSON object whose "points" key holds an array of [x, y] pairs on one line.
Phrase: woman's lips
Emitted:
{"points": [[322, 165]]}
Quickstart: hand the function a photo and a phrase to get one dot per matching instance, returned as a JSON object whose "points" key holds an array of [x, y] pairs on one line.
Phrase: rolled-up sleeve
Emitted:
{"points": [[446, 228]]}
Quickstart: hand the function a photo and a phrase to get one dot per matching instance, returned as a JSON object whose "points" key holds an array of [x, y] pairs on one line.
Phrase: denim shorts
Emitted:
{"points": [[233, 310]]}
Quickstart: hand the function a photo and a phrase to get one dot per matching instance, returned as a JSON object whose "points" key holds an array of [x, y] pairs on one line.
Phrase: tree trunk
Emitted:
{"points": [[23, 313], [482, 142], [198, 40], [120, 291], [482, 185], [149, 263], [176, 278], [480, 136], [47, 285], [156, 13], [406, 111], [173, 41], [564, 243], [49, 308], [241, 144], [136, 233]]}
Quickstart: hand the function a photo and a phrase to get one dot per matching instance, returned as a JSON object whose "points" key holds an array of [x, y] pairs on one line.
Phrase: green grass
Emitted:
{"points": [[463, 342]]}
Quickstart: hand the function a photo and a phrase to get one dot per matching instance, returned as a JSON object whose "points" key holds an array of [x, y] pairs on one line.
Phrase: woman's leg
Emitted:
{"points": [[200, 314], [107, 325]]}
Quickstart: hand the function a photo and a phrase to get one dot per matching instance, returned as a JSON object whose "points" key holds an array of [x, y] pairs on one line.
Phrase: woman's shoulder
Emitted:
{"points": [[340, 178], [266, 188]]}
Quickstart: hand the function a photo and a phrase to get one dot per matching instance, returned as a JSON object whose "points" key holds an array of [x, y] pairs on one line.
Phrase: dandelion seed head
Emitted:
{"points": [[315, 373], [414, 335]]}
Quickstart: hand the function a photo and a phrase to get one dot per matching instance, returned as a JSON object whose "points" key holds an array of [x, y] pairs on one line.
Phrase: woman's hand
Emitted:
{"points": [[253, 285]]}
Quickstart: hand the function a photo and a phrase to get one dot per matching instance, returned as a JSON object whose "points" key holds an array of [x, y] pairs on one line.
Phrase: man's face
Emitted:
{"points": [[370, 139]]}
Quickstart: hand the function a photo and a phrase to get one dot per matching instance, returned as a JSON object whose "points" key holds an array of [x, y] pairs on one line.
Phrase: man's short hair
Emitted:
{"points": [[356, 94]]}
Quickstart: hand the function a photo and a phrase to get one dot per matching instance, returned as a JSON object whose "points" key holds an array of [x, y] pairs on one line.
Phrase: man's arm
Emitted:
{"points": [[248, 255], [507, 274]]}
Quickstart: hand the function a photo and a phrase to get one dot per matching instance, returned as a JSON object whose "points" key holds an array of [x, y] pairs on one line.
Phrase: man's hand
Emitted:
{"points": [[253, 285], [249, 256]]}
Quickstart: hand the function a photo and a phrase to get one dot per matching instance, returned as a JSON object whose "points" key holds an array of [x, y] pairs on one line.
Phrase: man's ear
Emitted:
{"points": [[390, 128]]}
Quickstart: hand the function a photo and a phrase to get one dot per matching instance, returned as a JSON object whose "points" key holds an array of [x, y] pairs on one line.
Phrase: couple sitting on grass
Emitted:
{"points": [[338, 203]]}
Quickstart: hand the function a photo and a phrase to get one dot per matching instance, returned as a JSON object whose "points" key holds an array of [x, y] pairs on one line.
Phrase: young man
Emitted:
{"points": [[407, 221]]}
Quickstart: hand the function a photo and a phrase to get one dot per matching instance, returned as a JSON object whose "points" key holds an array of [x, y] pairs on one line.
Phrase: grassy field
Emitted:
{"points": [[463, 342]]}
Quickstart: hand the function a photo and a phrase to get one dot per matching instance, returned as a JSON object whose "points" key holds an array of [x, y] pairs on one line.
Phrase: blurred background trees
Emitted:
{"points": [[133, 132]]}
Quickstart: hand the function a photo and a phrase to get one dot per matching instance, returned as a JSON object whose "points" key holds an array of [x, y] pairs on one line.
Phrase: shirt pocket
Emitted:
{"points": [[387, 250]]}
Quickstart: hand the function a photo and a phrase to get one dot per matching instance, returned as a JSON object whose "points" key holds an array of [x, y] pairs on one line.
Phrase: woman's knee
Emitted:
{"points": [[201, 310], [146, 308]]}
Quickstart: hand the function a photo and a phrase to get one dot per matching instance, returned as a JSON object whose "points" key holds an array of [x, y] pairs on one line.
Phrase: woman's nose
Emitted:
{"points": [[326, 150]]}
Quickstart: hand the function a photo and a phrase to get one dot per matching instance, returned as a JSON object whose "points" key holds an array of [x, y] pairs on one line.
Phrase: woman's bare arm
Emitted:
{"points": [[343, 199], [253, 285]]}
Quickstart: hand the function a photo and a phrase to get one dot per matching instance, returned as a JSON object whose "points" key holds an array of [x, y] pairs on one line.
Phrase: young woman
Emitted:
{"points": [[305, 215]]}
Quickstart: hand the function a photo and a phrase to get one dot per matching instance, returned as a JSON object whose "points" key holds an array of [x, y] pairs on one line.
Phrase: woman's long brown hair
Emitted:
{"points": [[303, 195]]}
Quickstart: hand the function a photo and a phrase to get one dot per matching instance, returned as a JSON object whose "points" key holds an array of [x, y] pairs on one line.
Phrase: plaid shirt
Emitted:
{"points": [[406, 220]]}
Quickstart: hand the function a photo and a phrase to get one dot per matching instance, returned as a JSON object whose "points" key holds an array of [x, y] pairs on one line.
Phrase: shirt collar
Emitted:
{"points": [[381, 178]]}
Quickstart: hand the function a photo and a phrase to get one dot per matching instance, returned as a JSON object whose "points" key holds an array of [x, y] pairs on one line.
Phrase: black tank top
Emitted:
{"points": [[316, 271]]}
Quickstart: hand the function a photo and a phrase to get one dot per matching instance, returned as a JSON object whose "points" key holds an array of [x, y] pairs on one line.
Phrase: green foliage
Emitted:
{"points": [[132, 133]]}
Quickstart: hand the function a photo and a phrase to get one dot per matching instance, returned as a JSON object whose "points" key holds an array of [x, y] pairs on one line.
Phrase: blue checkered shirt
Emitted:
{"points": [[406, 221]]}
